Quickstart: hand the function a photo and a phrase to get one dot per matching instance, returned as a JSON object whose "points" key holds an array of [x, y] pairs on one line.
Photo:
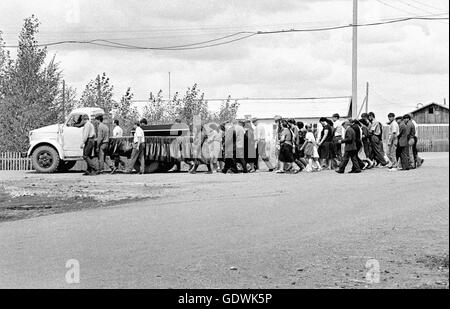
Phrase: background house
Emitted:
{"points": [[432, 113], [433, 129]]}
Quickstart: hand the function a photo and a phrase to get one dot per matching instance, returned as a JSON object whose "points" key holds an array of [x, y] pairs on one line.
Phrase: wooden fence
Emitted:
{"points": [[14, 161]]}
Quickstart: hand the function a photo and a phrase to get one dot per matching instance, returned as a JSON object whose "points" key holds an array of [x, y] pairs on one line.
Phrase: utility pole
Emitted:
{"points": [[64, 101], [367, 98], [355, 61], [170, 98]]}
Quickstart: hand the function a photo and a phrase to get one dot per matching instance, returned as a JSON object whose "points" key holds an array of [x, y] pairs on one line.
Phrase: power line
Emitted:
{"points": [[416, 7], [428, 5], [247, 34], [396, 8]]}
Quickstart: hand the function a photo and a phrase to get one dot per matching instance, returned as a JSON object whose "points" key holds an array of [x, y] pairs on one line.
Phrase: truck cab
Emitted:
{"points": [[57, 147]]}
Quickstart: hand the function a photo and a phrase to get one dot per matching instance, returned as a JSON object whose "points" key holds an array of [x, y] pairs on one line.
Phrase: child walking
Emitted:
{"points": [[311, 151]]}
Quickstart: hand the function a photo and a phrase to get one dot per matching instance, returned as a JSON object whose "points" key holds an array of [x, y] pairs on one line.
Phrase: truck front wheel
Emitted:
{"points": [[45, 159]]}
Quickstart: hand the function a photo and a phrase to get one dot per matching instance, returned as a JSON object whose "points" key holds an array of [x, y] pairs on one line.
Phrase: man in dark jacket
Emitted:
{"points": [[406, 132], [351, 150]]}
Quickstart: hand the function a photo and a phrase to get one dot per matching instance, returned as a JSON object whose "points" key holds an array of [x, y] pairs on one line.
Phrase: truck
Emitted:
{"points": [[56, 148]]}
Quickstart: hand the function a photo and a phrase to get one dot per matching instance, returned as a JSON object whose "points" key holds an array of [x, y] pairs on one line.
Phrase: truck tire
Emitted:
{"points": [[45, 159], [65, 166]]}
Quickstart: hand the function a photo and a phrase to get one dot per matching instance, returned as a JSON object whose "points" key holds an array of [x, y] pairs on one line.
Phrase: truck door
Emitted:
{"points": [[72, 136]]}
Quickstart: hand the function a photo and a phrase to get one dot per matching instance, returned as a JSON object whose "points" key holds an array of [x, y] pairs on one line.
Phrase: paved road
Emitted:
{"points": [[244, 231]]}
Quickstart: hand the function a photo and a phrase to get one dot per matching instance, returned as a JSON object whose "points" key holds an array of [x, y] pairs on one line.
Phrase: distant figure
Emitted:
{"points": [[403, 144], [338, 135], [376, 139], [102, 142], [416, 160], [88, 146], [311, 151], [138, 149], [214, 146], [393, 141], [286, 148], [351, 150], [326, 148], [117, 133], [260, 139]]}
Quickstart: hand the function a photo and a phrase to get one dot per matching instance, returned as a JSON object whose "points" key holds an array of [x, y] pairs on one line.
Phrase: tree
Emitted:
{"points": [[193, 104], [28, 89], [228, 111], [159, 111], [125, 112], [98, 93]]}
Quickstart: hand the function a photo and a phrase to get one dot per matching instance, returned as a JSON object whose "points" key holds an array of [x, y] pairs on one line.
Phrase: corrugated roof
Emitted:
{"points": [[428, 105], [295, 108]]}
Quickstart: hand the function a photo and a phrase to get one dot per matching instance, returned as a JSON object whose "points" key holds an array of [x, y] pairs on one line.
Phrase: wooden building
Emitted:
{"points": [[431, 114]]}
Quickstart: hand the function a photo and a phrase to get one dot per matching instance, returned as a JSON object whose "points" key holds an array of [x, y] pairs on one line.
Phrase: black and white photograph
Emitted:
{"points": [[225, 151]]}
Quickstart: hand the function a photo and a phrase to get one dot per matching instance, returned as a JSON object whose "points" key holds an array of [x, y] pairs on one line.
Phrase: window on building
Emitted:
{"points": [[430, 110]]}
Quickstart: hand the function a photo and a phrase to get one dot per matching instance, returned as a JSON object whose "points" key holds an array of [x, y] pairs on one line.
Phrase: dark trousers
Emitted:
{"points": [[102, 156], [404, 157], [89, 155], [377, 149], [137, 154], [230, 165], [353, 156], [337, 147]]}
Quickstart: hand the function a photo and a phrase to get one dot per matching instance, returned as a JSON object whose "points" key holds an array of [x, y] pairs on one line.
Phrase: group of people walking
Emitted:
{"points": [[237, 146], [301, 147]]}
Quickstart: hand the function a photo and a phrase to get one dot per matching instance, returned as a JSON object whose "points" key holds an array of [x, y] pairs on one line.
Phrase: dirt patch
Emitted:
{"points": [[36, 195]]}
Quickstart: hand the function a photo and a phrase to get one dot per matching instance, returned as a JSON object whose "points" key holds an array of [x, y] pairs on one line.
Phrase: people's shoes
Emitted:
{"points": [[394, 169], [86, 174], [280, 172], [271, 170], [340, 172], [354, 172], [113, 170]]}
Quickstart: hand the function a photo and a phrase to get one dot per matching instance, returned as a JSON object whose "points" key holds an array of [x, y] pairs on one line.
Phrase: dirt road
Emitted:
{"points": [[237, 231]]}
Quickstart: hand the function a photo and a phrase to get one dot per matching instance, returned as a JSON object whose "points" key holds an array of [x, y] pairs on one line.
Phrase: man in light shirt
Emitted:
{"points": [[394, 130], [138, 149], [88, 146], [338, 136], [102, 142], [117, 133], [260, 138]]}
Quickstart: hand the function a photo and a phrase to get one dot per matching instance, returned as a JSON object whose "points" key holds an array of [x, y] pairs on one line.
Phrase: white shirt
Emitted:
{"points": [[339, 128], [393, 129], [416, 126], [310, 137], [138, 136], [260, 132], [117, 132]]}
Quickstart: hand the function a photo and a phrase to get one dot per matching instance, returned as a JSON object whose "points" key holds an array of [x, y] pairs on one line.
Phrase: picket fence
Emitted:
{"points": [[14, 161]]}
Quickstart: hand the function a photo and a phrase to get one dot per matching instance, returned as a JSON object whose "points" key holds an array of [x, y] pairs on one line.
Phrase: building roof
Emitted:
{"points": [[88, 110], [294, 108], [428, 105]]}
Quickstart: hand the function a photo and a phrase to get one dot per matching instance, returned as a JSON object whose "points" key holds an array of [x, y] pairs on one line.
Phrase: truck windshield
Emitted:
{"points": [[75, 120]]}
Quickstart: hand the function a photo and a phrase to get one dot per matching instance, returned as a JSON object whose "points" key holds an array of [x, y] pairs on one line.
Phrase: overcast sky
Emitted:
{"points": [[405, 63]]}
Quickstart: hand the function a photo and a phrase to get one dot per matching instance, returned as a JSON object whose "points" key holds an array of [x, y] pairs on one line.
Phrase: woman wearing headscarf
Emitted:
{"points": [[326, 148], [286, 148]]}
